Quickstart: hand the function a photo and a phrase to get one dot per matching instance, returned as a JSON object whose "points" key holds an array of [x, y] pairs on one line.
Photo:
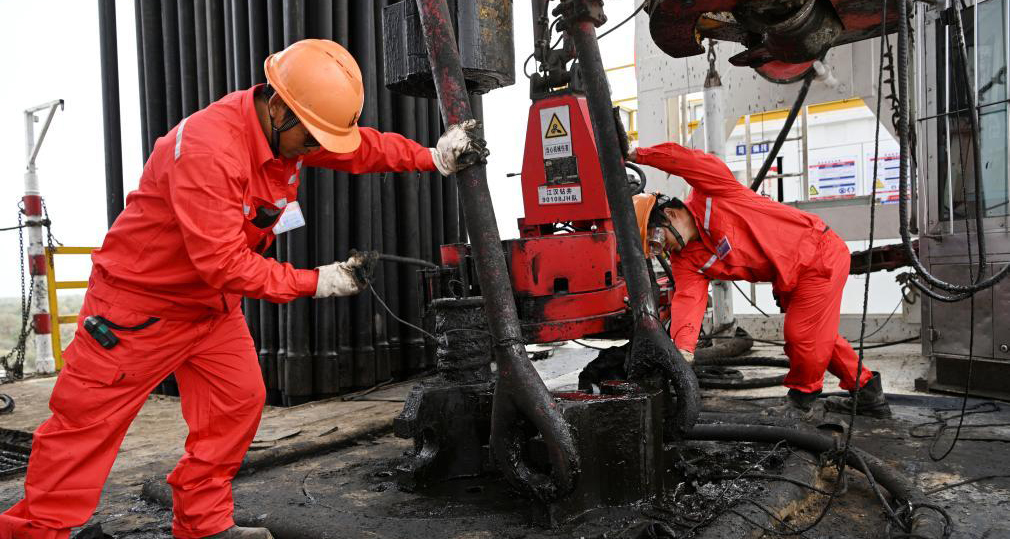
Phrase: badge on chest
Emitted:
{"points": [[291, 219], [723, 248]]}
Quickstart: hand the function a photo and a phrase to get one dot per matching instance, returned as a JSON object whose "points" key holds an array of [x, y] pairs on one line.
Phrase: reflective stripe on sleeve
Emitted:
{"points": [[178, 138], [708, 213], [708, 264]]}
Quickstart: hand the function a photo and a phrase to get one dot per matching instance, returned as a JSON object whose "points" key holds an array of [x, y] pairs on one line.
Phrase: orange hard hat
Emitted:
{"points": [[321, 83], [643, 207]]}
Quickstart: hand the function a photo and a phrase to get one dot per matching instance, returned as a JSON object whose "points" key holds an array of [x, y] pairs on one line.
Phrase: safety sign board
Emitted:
{"points": [[887, 176], [556, 132], [559, 194], [834, 178]]}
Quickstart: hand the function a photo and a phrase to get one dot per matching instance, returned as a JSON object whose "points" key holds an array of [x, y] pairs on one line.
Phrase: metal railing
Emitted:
{"points": [[54, 303]]}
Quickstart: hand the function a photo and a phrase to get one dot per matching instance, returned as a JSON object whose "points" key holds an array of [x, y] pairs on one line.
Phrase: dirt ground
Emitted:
{"points": [[327, 469]]}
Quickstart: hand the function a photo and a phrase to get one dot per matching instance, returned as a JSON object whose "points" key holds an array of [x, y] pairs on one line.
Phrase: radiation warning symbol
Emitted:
{"points": [[555, 129]]}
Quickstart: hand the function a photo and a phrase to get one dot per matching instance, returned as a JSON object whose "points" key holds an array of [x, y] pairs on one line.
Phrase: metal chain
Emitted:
{"points": [[711, 54], [49, 230], [15, 371]]}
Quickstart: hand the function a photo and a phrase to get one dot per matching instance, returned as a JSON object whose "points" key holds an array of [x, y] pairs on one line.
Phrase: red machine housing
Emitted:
{"points": [[564, 266]]}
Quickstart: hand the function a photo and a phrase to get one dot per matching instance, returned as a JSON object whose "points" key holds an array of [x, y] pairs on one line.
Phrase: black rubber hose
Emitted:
{"points": [[746, 383], [960, 291], [728, 348], [719, 382], [784, 132], [667, 269], [641, 176], [406, 260], [899, 486], [962, 51], [749, 361], [6, 403]]}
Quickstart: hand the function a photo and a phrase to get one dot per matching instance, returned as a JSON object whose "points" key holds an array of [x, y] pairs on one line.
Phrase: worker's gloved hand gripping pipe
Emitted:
{"points": [[459, 147]]}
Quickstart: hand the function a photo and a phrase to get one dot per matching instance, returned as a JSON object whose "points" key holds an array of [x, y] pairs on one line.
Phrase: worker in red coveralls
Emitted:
{"points": [[166, 289], [726, 231]]}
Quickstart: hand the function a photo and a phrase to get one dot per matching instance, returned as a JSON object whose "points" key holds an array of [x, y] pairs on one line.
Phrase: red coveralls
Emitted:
{"points": [[185, 250], [747, 237]]}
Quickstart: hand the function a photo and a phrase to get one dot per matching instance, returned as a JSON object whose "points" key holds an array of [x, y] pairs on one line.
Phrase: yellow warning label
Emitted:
{"points": [[555, 129], [813, 191], [880, 184]]}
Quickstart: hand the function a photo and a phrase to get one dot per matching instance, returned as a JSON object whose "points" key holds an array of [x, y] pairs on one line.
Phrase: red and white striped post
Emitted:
{"points": [[37, 267]]}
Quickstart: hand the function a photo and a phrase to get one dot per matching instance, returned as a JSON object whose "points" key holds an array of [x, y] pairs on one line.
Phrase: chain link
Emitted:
{"points": [[50, 239], [15, 371], [711, 55]]}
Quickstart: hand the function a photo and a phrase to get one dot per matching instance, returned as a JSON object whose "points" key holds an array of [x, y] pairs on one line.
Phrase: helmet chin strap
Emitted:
{"points": [[676, 235], [275, 132]]}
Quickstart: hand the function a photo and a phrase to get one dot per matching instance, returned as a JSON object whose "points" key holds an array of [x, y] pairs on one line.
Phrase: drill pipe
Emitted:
{"points": [[202, 54], [519, 391], [110, 110], [652, 347]]}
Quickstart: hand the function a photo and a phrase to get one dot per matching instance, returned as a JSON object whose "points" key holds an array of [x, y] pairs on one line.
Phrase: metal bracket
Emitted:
{"points": [[573, 11]]}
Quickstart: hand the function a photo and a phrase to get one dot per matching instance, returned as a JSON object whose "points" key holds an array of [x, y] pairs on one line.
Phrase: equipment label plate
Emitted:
{"points": [[559, 194], [556, 132]]}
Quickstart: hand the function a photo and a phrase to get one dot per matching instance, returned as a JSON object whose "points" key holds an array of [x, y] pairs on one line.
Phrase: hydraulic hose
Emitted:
{"points": [[962, 52], [406, 260], [740, 344], [784, 132], [960, 291], [900, 487], [641, 176]]}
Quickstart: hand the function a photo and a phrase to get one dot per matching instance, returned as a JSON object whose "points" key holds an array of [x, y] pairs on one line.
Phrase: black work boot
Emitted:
{"points": [[870, 399], [798, 405]]}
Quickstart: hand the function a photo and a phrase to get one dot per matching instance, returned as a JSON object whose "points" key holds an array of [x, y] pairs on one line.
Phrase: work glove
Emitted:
{"points": [[459, 147], [688, 356], [345, 278]]}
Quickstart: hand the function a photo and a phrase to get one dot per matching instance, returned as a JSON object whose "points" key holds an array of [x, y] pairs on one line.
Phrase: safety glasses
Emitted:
{"points": [[310, 141]]}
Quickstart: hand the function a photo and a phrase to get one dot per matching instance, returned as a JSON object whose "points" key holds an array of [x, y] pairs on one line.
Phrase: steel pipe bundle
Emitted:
{"points": [[193, 52]]}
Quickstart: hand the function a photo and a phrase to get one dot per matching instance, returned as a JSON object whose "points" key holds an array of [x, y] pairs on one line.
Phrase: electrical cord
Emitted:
{"points": [[886, 320], [965, 482], [780, 343], [622, 23], [724, 494], [943, 424], [408, 324], [755, 305]]}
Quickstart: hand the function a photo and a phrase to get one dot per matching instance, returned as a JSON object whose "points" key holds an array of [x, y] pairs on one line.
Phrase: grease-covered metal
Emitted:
{"points": [[652, 351], [484, 29], [519, 391]]}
